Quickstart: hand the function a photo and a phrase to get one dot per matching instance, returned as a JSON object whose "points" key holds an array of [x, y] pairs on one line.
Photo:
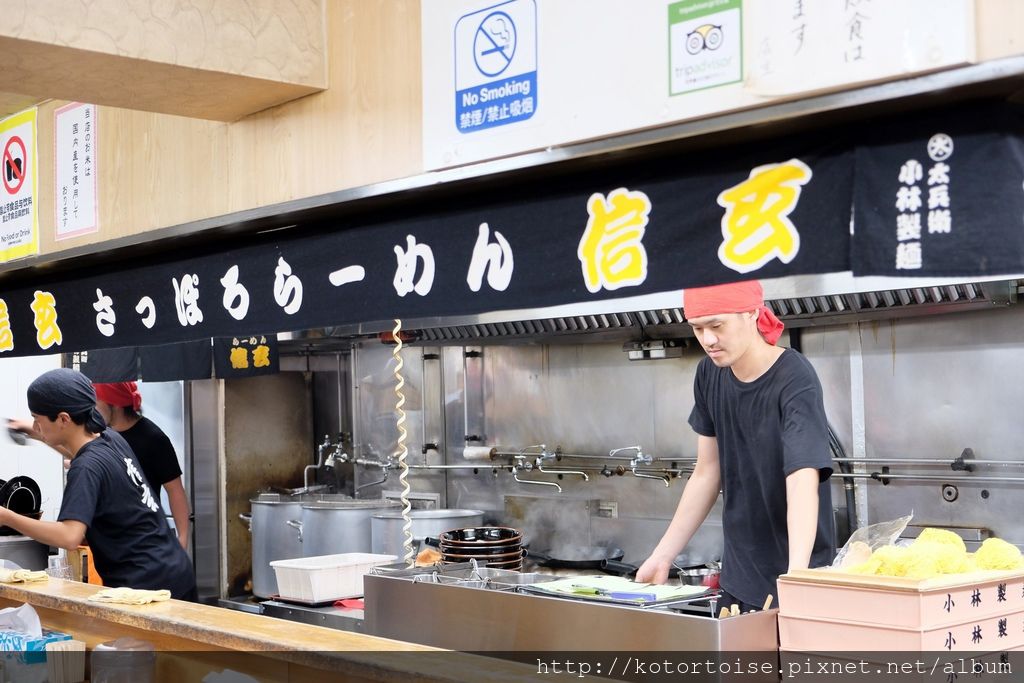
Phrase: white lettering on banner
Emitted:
{"points": [[147, 309], [909, 202], [495, 259], [940, 217], [186, 300], [908, 222], [346, 275], [236, 296], [408, 260], [287, 288], [105, 316]]}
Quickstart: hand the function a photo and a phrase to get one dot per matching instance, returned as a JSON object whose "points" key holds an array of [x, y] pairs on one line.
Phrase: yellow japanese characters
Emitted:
{"points": [[611, 250], [261, 356], [6, 336], [756, 225], [44, 309], [239, 358]]}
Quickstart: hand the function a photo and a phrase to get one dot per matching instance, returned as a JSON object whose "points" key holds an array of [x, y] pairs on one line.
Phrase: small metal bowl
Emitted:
{"points": [[701, 576]]}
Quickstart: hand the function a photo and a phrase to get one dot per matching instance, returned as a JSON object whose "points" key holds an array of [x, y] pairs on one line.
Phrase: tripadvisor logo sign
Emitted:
{"points": [[705, 38]]}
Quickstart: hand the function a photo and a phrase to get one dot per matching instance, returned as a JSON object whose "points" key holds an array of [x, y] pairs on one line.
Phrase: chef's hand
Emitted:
{"points": [[26, 427], [654, 570]]}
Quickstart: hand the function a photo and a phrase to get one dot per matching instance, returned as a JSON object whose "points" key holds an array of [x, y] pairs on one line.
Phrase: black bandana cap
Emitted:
{"points": [[65, 391]]}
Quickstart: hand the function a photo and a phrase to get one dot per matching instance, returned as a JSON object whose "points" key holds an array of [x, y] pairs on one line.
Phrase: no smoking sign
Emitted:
{"points": [[19, 228], [15, 164]]}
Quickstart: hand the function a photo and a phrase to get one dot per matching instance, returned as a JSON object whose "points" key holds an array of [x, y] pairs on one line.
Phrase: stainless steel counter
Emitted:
{"points": [[418, 607], [331, 617]]}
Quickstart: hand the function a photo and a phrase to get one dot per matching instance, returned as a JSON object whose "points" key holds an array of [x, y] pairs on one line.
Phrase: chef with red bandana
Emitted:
{"points": [[762, 441]]}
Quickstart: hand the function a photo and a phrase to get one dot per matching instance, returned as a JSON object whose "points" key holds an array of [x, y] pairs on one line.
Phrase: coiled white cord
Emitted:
{"points": [[401, 450]]}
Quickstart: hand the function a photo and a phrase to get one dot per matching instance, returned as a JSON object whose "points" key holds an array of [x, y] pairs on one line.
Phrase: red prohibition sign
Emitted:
{"points": [[9, 168]]}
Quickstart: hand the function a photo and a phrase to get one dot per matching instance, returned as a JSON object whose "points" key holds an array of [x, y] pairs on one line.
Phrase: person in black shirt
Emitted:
{"points": [[120, 404], [762, 440], [106, 500]]}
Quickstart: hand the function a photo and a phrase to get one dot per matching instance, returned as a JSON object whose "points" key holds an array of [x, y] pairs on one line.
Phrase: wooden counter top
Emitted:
{"points": [[285, 647]]}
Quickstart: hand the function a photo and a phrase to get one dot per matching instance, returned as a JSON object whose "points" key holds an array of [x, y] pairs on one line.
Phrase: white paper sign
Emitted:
{"points": [[800, 46], [74, 160]]}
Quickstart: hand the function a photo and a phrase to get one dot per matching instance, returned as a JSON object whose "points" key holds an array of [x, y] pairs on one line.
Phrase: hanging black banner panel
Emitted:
{"points": [[702, 219], [942, 196], [180, 361], [245, 356]]}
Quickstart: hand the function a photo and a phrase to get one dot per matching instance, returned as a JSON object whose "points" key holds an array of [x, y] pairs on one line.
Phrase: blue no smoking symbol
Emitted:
{"points": [[494, 44]]}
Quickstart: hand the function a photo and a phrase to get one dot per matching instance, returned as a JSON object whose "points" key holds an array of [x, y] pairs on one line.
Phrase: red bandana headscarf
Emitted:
{"points": [[736, 297], [120, 394]]}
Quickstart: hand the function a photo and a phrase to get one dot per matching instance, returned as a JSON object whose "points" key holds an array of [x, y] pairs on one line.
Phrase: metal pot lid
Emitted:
{"points": [[432, 514], [349, 504], [275, 499], [285, 499]]}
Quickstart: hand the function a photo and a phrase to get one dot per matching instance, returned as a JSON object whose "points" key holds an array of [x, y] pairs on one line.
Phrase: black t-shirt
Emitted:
{"points": [[154, 452], [131, 543], [766, 430]]}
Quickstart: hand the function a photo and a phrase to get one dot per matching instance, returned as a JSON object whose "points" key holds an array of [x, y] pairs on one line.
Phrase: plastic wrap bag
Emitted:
{"points": [[867, 539]]}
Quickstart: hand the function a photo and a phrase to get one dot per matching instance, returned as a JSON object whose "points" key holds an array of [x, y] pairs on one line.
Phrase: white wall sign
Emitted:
{"points": [[607, 67], [19, 223], [74, 160], [496, 66], [705, 44], [801, 46]]}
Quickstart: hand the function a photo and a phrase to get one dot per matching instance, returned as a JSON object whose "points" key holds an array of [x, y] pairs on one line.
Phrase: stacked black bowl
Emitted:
{"points": [[21, 495], [496, 546]]}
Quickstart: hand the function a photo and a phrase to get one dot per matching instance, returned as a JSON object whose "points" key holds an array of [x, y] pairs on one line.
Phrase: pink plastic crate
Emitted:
{"points": [[910, 603], [835, 635], [832, 611]]}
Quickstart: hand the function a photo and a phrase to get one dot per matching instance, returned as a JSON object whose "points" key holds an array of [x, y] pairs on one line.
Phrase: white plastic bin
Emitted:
{"points": [[325, 577]]}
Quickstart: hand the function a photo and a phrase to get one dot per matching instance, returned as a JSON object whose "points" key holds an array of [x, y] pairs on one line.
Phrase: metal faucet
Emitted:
{"points": [[385, 467], [319, 459], [640, 459], [546, 455], [523, 465]]}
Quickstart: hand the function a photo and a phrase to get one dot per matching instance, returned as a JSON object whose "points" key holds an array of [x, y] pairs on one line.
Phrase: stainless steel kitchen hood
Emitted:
{"points": [[832, 299]]}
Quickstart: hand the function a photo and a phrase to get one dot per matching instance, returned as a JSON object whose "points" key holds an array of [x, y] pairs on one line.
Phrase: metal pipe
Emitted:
{"points": [[929, 477], [495, 466], [616, 458], [928, 461], [481, 466]]}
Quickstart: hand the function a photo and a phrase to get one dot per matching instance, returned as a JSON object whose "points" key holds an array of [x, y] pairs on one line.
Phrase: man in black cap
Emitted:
{"points": [[107, 500]]}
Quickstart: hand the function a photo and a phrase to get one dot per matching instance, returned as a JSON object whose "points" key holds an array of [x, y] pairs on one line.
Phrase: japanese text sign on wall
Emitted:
{"points": [[75, 174], [19, 221]]}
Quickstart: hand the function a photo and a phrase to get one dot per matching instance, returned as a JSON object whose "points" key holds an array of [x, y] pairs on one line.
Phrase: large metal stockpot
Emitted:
{"points": [[332, 527], [386, 527], [272, 539]]}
